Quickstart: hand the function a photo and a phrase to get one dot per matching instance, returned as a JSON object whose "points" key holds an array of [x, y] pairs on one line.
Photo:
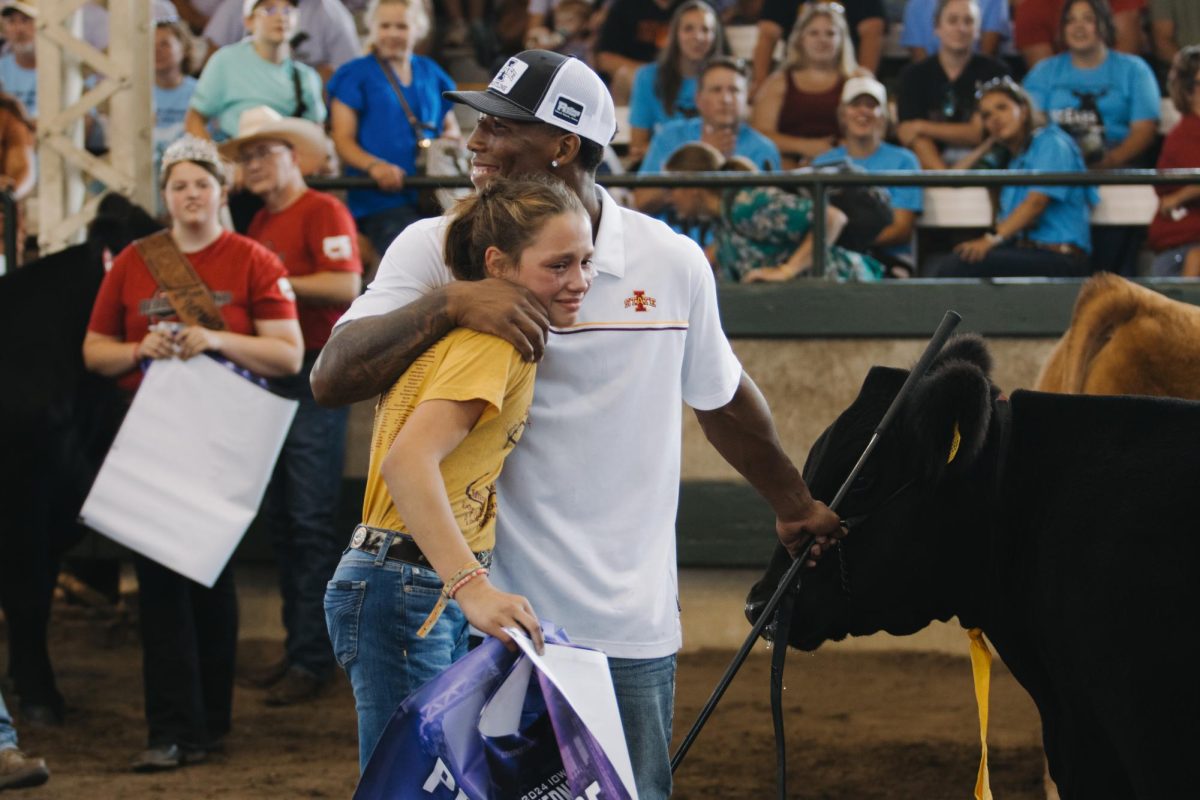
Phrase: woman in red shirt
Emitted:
{"points": [[189, 633], [1175, 230]]}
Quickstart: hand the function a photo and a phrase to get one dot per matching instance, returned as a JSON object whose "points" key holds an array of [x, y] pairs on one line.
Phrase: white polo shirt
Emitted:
{"points": [[586, 523]]}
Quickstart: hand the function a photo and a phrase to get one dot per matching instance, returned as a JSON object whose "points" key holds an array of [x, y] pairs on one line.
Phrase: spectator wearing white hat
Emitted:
{"points": [[863, 117], [254, 72], [314, 236]]}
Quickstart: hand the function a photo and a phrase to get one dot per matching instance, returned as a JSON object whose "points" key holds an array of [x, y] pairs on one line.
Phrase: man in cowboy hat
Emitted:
{"points": [[588, 538], [314, 235]]}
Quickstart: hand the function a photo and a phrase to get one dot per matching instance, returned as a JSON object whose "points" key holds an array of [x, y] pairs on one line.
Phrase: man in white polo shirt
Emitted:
{"points": [[586, 527]]}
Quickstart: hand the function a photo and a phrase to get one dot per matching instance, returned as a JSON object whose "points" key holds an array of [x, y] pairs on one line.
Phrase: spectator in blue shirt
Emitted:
{"points": [[721, 101], [172, 86], [863, 119], [371, 129], [921, 17], [18, 67], [1041, 230], [666, 89], [1108, 101]]}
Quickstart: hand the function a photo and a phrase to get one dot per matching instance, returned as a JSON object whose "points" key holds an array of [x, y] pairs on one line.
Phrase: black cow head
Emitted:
{"points": [[890, 573]]}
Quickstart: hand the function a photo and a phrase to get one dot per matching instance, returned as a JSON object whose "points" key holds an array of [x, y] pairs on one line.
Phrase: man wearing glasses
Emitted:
{"points": [[315, 238]]}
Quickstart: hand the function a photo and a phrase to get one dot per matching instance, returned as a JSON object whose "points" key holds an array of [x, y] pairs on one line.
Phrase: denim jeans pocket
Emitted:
{"points": [[343, 607], [418, 580]]}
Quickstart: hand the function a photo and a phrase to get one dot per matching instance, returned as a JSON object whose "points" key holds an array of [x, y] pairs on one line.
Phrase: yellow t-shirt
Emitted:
{"points": [[463, 365]]}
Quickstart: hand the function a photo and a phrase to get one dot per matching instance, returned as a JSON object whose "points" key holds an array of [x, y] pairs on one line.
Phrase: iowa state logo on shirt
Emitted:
{"points": [[640, 301]]}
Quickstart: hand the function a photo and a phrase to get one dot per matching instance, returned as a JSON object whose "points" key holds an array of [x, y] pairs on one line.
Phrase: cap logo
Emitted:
{"points": [[568, 110], [508, 75]]}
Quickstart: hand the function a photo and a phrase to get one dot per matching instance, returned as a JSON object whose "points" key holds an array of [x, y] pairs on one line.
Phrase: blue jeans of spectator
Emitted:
{"points": [[645, 690], [382, 227], [374, 606], [1007, 261], [299, 510], [189, 645], [8, 734]]}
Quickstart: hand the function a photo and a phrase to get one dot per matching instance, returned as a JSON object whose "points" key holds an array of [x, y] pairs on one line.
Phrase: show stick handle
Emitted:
{"points": [[944, 329]]}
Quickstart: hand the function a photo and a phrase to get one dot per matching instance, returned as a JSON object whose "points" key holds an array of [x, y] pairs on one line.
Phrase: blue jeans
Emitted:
{"points": [[8, 734], [373, 607], [382, 227], [298, 511], [646, 699]]}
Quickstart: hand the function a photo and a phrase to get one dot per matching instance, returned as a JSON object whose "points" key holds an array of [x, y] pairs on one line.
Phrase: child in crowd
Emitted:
{"points": [[441, 435]]}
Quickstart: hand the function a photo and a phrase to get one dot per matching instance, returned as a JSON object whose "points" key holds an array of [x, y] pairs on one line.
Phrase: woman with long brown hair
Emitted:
{"points": [[666, 90]]}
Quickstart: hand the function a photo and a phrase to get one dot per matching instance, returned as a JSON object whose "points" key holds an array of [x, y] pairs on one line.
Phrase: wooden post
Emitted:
{"points": [[124, 82]]}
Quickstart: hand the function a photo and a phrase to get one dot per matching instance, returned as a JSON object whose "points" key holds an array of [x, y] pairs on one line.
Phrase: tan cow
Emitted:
{"points": [[1126, 339]]}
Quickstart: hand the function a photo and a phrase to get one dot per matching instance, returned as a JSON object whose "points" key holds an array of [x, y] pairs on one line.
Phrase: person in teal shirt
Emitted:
{"points": [[1108, 101], [258, 71]]}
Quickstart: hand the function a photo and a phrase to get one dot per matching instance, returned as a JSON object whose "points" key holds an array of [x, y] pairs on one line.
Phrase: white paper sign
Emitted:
{"points": [[582, 675], [189, 467]]}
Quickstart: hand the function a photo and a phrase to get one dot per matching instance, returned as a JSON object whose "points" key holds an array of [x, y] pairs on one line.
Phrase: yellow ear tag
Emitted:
{"points": [[981, 670], [954, 444]]}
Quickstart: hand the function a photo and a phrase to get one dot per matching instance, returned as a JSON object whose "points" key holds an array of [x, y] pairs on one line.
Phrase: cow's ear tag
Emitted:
{"points": [[954, 444]]}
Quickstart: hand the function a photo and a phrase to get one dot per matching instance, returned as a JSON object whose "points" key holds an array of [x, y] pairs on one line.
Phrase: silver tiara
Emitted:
{"points": [[192, 148]]}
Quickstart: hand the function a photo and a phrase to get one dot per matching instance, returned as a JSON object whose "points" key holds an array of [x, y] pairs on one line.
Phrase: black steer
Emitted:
{"points": [[56, 423], [1065, 527]]}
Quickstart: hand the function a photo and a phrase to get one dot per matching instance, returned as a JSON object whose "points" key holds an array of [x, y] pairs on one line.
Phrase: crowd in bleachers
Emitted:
{"points": [[776, 72]]}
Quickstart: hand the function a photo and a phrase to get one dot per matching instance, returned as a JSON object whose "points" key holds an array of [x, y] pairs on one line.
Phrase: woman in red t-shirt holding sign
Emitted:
{"points": [[189, 633]]}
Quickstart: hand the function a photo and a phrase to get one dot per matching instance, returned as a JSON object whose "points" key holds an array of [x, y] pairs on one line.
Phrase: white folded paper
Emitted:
{"points": [[189, 467]]}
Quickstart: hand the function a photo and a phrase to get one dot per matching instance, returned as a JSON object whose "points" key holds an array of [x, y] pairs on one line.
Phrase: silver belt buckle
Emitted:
{"points": [[360, 536]]}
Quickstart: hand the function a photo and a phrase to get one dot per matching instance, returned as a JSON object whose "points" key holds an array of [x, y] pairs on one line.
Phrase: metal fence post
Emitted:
{"points": [[820, 201], [9, 204]]}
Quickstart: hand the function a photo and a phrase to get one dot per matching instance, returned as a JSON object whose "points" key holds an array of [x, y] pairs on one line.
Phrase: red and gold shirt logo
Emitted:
{"points": [[640, 301]]}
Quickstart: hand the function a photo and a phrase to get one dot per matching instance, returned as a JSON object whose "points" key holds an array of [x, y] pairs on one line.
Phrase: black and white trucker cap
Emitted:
{"points": [[541, 86]]}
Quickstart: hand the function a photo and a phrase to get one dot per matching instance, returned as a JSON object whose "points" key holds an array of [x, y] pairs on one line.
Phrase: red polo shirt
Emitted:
{"points": [[314, 234], [247, 282]]}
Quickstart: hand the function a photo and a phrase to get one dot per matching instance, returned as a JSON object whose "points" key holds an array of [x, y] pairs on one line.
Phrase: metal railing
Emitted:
{"points": [[818, 184], [8, 206]]}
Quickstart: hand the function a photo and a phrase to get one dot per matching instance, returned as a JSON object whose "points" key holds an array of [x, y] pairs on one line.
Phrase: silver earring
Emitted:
{"points": [[554, 164]]}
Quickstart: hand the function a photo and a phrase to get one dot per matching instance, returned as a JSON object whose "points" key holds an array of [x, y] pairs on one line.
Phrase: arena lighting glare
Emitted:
{"points": [[778, 608]]}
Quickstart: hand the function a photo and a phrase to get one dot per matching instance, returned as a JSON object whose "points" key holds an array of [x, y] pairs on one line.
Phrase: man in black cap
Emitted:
{"points": [[585, 536]]}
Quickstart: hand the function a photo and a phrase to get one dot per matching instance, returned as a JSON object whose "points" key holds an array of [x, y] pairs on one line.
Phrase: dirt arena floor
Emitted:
{"points": [[860, 725]]}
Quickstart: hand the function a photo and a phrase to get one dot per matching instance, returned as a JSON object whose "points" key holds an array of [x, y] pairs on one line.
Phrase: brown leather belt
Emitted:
{"points": [[1062, 248], [403, 548]]}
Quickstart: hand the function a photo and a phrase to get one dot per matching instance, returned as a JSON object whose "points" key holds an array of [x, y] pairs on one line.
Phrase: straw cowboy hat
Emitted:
{"points": [[263, 122]]}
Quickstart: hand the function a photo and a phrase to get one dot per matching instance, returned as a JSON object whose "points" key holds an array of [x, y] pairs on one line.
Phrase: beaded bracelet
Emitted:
{"points": [[467, 572]]}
